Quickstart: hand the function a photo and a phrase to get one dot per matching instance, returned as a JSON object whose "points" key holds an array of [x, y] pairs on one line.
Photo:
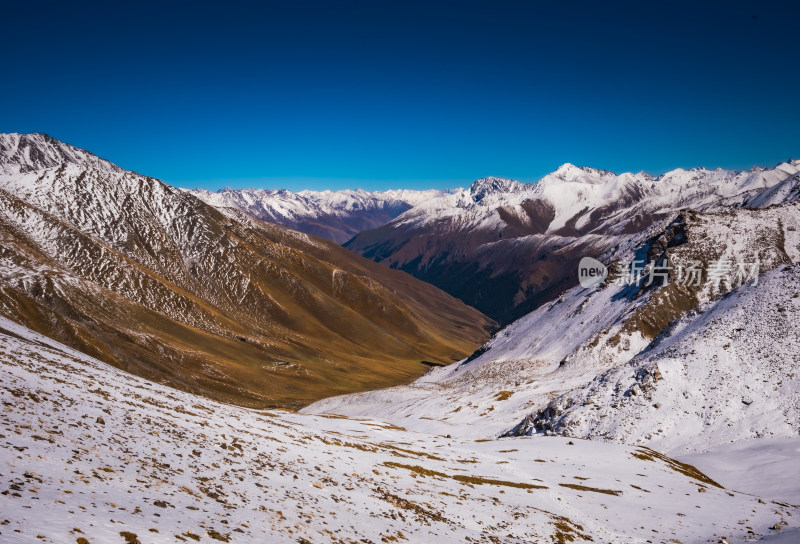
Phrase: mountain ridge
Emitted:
{"points": [[334, 215], [515, 249], [22, 153], [153, 280]]}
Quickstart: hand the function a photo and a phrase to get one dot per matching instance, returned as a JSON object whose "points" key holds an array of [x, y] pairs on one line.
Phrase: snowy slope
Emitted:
{"points": [[565, 345], [89, 453], [24, 153], [786, 191], [335, 215], [715, 377], [759, 466]]}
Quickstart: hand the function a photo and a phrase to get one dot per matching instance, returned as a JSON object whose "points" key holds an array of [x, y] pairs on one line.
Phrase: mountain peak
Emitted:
{"points": [[492, 185], [566, 168], [570, 172], [22, 153]]}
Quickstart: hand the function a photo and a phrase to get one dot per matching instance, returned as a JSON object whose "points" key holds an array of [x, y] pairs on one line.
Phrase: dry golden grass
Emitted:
{"points": [[646, 454], [579, 487], [464, 479]]}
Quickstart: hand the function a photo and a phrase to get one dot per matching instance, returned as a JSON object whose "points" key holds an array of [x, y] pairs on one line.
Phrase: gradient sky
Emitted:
{"points": [[380, 94]]}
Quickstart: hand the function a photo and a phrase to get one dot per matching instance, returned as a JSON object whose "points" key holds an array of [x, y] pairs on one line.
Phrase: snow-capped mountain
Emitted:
{"points": [[544, 434], [786, 191], [335, 215], [704, 370], [98, 455], [151, 279], [506, 248], [25, 153]]}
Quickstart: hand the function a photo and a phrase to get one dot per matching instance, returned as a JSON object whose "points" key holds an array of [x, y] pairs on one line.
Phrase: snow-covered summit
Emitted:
{"points": [[509, 248], [23, 153], [574, 191], [495, 186], [577, 174]]}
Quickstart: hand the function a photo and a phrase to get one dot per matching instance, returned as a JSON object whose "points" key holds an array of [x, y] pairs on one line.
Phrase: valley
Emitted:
{"points": [[175, 368]]}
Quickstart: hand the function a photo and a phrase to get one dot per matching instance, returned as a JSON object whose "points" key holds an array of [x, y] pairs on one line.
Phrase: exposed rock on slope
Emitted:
{"points": [[153, 280], [717, 375]]}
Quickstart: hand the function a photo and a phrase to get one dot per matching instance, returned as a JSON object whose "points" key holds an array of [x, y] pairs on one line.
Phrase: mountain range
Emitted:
{"points": [[507, 247], [153, 280], [502, 246], [334, 215], [153, 344]]}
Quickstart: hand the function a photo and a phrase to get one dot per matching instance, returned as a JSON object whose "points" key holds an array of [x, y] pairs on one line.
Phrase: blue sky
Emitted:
{"points": [[413, 94]]}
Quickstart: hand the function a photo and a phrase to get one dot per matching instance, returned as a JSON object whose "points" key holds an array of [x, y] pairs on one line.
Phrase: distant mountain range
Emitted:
{"points": [[335, 215], [503, 246], [151, 279], [506, 247]]}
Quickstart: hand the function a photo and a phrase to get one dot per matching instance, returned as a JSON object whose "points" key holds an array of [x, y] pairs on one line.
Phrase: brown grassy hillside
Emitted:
{"points": [[152, 280]]}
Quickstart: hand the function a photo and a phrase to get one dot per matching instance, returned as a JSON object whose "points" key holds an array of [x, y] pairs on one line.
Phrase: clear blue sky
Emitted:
{"points": [[380, 94]]}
